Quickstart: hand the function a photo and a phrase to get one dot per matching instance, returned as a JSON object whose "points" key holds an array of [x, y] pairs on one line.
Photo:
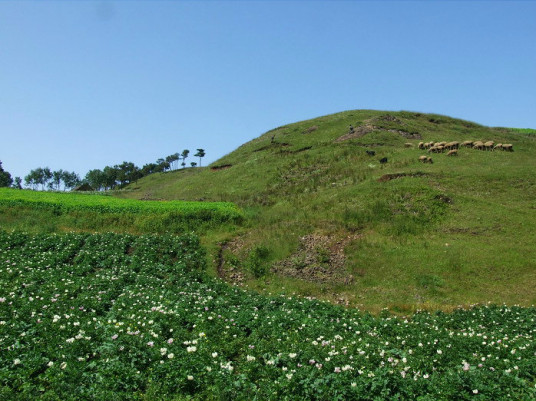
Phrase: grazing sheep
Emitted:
{"points": [[428, 145], [436, 149], [508, 147], [498, 146], [425, 159], [421, 145], [489, 145], [443, 143], [467, 144], [452, 145], [453, 152], [383, 160], [478, 145], [371, 152]]}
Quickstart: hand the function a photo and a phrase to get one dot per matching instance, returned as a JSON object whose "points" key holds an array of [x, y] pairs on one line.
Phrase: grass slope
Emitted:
{"points": [[321, 221]]}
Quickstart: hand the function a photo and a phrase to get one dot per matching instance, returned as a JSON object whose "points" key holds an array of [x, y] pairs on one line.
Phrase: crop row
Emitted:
{"points": [[63, 202], [117, 317]]}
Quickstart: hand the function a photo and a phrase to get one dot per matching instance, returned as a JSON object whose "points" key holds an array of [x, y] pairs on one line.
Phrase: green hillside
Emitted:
{"points": [[326, 219]]}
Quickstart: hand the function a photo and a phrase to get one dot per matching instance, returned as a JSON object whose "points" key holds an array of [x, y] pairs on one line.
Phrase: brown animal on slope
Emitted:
{"points": [[408, 145], [436, 149], [425, 159], [452, 145], [453, 152], [428, 145], [489, 145], [467, 144], [478, 145], [498, 146], [421, 145], [508, 147]]}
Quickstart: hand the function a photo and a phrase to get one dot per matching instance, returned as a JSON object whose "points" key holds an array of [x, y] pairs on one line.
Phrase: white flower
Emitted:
{"points": [[171, 355], [250, 358], [202, 335], [190, 377], [63, 365], [163, 351], [191, 349], [16, 361], [214, 354], [50, 364], [439, 351], [475, 391], [354, 384], [289, 376], [292, 355]]}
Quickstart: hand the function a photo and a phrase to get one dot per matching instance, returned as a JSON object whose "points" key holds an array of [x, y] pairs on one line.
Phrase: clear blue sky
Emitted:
{"points": [[87, 84]]}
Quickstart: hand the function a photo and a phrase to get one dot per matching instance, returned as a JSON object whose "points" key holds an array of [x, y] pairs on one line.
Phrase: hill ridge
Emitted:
{"points": [[301, 180]]}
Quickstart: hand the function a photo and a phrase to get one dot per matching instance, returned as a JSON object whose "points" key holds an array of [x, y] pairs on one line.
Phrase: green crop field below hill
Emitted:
{"points": [[34, 210], [121, 317]]}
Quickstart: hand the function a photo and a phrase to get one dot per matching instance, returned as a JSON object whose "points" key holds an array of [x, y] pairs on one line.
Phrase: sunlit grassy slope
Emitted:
{"points": [[322, 221]]}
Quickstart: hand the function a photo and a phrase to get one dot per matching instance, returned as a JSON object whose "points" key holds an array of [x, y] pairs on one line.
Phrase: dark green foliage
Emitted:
{"points": [[5, 177], [257, 261], [118, 317]]}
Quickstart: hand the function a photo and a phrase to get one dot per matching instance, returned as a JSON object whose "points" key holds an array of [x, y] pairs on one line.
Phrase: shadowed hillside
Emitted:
{"points": [[327, 218]]}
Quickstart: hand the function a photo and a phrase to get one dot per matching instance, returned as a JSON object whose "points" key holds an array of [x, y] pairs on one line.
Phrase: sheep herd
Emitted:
{"points": [[452, 147]]}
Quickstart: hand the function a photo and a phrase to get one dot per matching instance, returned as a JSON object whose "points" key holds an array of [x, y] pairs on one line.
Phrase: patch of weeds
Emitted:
{"points": [[355, 219], [298, 262], [323, 255], [233, 260], [257, 261], [430, 282]]}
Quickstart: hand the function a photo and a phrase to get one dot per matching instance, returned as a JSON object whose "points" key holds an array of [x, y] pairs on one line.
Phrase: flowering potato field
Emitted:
{"points": [[62, 202], [119, 317]]}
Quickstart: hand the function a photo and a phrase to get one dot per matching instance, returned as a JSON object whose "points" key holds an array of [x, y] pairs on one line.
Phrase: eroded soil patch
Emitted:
{"points": [[319, 258]]}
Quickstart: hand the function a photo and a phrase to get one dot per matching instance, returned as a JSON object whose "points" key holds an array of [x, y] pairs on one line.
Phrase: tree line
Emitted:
{"points": [[110, 177]]}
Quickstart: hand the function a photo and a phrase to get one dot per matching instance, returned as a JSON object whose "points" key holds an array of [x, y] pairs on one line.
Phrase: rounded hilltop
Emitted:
{"points": [[343, 207]]}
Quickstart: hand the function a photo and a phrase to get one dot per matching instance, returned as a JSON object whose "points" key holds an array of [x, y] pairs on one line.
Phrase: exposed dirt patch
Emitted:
{"points": [[310, 129], [368, 126], [226, 266], [389, 118], [223, 166], [357, 133], [319, 258], [389, 177]]}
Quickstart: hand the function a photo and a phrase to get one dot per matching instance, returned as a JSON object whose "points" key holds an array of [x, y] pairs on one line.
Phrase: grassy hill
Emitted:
{"points": [[326, 219]]}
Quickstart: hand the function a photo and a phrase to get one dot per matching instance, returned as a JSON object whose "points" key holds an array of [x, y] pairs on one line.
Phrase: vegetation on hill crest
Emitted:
{"points": [[453, 232]]}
